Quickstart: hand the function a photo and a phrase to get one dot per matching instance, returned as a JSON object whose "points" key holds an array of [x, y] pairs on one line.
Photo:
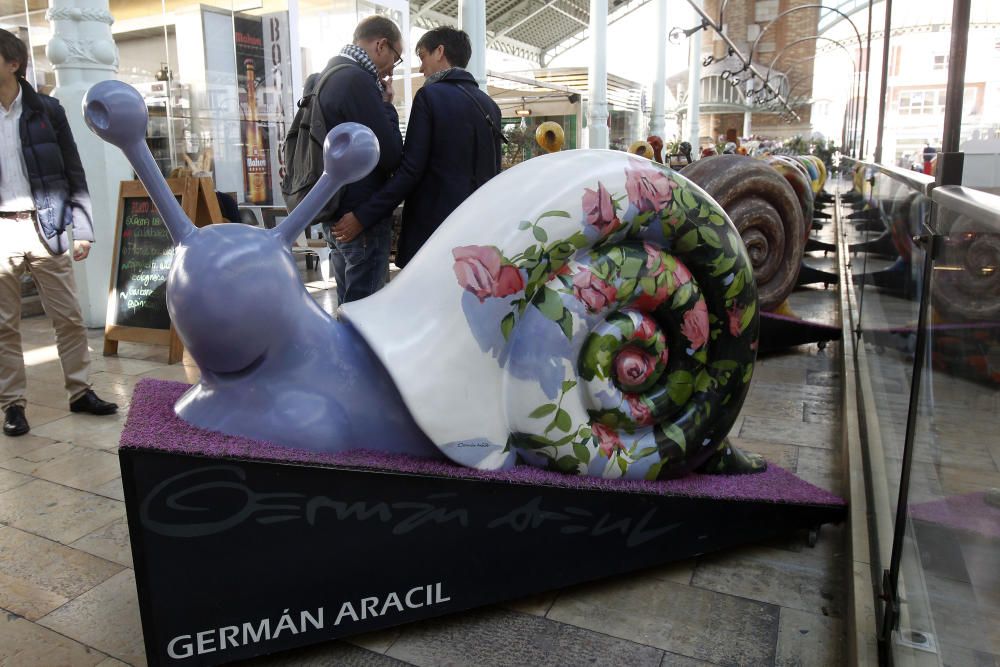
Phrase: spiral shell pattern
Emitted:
{"points": [[798, 177], [550, 136], [970, 290], [767, 214], [630, 344]]}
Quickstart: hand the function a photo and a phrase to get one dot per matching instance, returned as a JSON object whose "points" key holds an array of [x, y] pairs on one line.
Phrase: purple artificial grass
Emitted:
{"points": [[152, 425], [969, 512]]}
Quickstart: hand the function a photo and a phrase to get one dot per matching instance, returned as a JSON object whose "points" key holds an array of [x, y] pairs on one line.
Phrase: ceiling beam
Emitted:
{"points": [[432, 19], [524, 19], [552, 51], [426, 8]]}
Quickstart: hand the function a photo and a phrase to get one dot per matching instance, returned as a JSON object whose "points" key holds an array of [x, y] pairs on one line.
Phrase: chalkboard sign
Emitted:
{"points": [[143, 264], [137, 304]]}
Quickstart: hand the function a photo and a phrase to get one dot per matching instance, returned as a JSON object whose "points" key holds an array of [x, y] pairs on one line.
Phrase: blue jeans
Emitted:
{"points": [[361, 266]]}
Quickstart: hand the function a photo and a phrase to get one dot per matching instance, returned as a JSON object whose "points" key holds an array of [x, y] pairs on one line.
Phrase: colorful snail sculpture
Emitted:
{"points": [[601, 320], [798, 177]]}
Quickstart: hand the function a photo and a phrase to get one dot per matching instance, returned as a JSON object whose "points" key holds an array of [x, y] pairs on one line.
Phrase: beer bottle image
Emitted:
{"points": [[256, 173]]}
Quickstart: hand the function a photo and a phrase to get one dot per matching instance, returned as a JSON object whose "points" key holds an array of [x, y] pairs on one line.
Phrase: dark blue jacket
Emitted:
{"points": [[351, 95], [450, 151], [58, 184]]}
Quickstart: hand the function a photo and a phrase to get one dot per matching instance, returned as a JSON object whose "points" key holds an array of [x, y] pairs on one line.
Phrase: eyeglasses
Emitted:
{"points": [[399, 56]]}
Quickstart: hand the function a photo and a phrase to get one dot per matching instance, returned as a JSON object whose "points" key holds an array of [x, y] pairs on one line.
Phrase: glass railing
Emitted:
{"points": [[948, 537], [892, 209], [926, 300]]}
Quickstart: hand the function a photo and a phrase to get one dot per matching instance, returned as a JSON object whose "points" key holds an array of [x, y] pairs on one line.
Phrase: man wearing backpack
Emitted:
{"points": [[361, 92], [452, 145], [43, 191]]}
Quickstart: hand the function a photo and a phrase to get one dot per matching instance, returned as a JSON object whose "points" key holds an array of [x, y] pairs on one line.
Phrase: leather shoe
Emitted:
{"points": [[14, 422], [95, 406]]}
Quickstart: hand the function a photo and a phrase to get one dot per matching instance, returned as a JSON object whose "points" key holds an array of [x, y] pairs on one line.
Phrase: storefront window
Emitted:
{"points": [[220, 78]]}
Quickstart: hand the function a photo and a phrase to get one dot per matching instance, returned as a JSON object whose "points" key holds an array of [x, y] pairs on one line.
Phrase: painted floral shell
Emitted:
{"points": [[587, 311]]}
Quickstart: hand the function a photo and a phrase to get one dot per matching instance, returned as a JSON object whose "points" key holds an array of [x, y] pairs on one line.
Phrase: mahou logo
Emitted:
{"points": [[256, 164]]}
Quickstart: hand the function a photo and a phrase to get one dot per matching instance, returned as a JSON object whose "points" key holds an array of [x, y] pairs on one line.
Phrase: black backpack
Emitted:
{"points": [[304, 146]]}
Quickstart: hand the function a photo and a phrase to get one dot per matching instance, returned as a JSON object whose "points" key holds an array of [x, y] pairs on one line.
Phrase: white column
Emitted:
{"points": [[657, 117], [694, 90], [82, 53], [746, 123], [597, 118], [472, 19]]}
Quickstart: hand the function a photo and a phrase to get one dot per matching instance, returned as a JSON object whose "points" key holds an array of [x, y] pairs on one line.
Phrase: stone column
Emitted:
{"points": [[82, 53], [597, 117], [657, 117], [746, 123], [694, 91], [472, 19]]}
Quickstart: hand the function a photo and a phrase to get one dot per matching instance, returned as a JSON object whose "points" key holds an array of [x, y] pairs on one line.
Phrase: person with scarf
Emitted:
{"points": [[362, 93], [452, 145]]}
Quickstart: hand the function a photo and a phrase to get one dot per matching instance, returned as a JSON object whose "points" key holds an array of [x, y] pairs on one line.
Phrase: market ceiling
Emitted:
{"points": [[536, 30]]}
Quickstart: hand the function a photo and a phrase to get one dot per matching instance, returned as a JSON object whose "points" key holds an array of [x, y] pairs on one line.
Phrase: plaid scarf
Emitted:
{"points": [[437, 76], [361, 56]]}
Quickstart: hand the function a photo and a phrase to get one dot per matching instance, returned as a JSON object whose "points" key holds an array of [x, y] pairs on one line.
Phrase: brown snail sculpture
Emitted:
{"points": [[768, 215]]}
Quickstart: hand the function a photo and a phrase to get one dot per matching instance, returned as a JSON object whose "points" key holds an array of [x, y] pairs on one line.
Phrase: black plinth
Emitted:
{"points": [[237, 556]]}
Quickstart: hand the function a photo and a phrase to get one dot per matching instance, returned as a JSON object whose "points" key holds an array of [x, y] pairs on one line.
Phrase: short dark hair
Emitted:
{"points": [[14, 50], [457, 47], [377, 27]]}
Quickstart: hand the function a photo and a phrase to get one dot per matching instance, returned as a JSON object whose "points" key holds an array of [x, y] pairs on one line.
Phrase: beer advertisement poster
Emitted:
{"points": [[278, 99], [250, 72]]}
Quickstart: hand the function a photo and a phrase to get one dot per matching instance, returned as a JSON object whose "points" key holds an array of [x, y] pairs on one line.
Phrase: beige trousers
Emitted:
{"points": [[21, 250]]}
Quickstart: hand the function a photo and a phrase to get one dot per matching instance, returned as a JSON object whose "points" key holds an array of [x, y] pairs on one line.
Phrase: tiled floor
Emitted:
{"points": [[68, 590]]}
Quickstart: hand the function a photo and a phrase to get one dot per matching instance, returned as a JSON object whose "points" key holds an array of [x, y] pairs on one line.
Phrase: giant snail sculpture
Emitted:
{"points": [[798, 177], [586, 311], [768, 214]]}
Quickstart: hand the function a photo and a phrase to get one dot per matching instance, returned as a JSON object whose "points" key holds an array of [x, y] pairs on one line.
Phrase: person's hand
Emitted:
{"points": [[347, 228], [388, 94], [80, 250]]}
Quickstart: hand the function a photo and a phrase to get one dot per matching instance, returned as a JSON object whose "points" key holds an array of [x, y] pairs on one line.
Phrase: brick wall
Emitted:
{"points": [[796, 62]]}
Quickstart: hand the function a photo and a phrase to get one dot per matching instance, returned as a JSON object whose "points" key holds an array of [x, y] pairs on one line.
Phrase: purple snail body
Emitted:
{"points": [[274, 366]]}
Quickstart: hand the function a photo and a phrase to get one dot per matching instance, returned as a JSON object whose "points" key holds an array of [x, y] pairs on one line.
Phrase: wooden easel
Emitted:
{"points": [[199, 203]]}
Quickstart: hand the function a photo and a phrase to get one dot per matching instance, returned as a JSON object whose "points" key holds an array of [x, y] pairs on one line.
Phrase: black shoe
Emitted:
{"points": [[14, 422], [95, 406]]}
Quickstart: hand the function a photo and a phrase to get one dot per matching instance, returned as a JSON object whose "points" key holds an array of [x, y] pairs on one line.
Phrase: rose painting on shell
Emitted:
{"points": [[620, 284]]}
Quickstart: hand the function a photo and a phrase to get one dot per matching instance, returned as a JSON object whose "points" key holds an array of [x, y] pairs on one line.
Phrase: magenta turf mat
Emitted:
{"points": [[152, 425]]}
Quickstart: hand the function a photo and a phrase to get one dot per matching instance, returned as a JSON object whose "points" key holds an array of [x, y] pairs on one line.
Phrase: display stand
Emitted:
{"points": [[141, 258], [779, 332], [242, 548]]}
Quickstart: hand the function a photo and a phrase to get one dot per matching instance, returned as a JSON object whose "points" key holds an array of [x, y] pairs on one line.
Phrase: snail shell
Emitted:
{"points": [[550, 136], [814, 173], [798, 177], [642, 149], [587, 311], [970, 290], [767, 214]]}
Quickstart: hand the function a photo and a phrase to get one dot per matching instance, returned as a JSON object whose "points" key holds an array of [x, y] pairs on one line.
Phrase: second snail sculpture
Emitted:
{"points": [[587, 311]]}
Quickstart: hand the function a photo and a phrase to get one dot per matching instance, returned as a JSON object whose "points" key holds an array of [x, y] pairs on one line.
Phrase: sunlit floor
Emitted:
{"points": [[68, 589]]}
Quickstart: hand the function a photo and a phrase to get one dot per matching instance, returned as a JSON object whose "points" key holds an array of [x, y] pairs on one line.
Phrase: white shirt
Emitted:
{"points": [[15, 188]]}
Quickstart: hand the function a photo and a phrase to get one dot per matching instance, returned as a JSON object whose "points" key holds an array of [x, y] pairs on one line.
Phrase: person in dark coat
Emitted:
{"points": [[43, 193], [362, 93], [452, 145]]}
